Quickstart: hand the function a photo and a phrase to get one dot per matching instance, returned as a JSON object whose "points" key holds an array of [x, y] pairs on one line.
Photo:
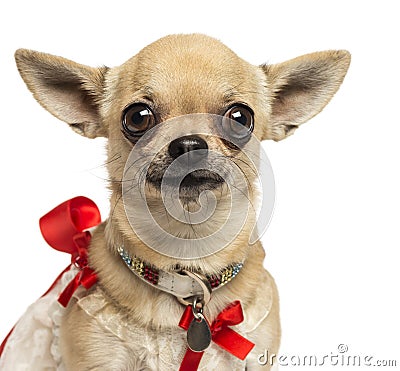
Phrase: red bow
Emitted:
{"points": [[221, 334], [63, 228]]}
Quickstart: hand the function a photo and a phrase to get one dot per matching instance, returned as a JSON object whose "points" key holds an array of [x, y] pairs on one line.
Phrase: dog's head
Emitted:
{"points": [[191, 111]]}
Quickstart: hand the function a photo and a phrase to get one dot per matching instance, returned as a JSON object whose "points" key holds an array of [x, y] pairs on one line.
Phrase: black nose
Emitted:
{"points": [[194, 146]]}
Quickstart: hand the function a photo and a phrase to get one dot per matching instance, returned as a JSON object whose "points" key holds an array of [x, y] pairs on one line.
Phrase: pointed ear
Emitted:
{"points": [[70, 91], [302, 87]]}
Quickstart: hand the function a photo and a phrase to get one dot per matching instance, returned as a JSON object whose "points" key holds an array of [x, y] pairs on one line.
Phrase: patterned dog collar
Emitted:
{"points": [[177, 284]]}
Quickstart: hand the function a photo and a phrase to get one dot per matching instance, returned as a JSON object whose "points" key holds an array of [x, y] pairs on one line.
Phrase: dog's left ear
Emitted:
{"points": [[302, 87], [70, 91]]}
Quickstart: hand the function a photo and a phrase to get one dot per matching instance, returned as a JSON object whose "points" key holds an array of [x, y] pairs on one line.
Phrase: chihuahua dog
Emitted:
{"points": [[129, 319]]}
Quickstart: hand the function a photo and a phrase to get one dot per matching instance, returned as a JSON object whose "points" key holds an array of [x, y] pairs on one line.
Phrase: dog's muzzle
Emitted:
{"points": [[189, 154]]}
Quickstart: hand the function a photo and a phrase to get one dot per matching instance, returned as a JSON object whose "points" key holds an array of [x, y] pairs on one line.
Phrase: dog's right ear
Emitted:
{"points": [[70, 91]]}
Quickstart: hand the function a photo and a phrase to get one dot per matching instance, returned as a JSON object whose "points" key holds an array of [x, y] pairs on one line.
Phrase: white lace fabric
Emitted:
{"points": [[33, 344]]}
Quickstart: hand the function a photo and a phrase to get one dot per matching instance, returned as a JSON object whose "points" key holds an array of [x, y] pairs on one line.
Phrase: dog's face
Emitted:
{"points": [[190, 104]]}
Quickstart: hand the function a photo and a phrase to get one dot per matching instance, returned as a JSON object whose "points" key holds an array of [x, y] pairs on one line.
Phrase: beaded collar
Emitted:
{"points": [[177, 284]]}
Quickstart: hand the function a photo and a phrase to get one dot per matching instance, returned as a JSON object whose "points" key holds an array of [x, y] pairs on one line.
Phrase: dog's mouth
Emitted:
{"points": [[190, 185]]}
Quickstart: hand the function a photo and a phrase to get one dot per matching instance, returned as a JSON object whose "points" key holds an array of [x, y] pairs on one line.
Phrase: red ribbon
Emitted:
{"points": [[221, 334], [63, 228]]}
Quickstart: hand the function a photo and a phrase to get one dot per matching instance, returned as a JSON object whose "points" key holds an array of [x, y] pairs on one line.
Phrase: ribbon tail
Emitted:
{"points": [[89, 278], [233, 342], [191, 360], [186, 318], [66, 295], [86, 277]]}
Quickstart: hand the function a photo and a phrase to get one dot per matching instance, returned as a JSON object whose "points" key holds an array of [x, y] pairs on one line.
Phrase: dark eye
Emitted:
{"points": [[238, 121], [137, 119]]}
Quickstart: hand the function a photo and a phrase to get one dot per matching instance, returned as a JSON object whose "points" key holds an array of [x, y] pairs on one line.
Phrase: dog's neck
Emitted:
{"points": [[129, 292]]}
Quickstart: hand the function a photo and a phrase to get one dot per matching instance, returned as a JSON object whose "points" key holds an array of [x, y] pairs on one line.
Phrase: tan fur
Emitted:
{"points": [[180, 74]]}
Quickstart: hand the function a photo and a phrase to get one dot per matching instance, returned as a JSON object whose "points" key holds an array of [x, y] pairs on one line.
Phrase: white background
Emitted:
{"points": [[333, 244]]}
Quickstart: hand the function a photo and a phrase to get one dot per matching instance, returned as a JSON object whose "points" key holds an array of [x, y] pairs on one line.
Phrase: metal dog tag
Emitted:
{"points": [[199, 334]]}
